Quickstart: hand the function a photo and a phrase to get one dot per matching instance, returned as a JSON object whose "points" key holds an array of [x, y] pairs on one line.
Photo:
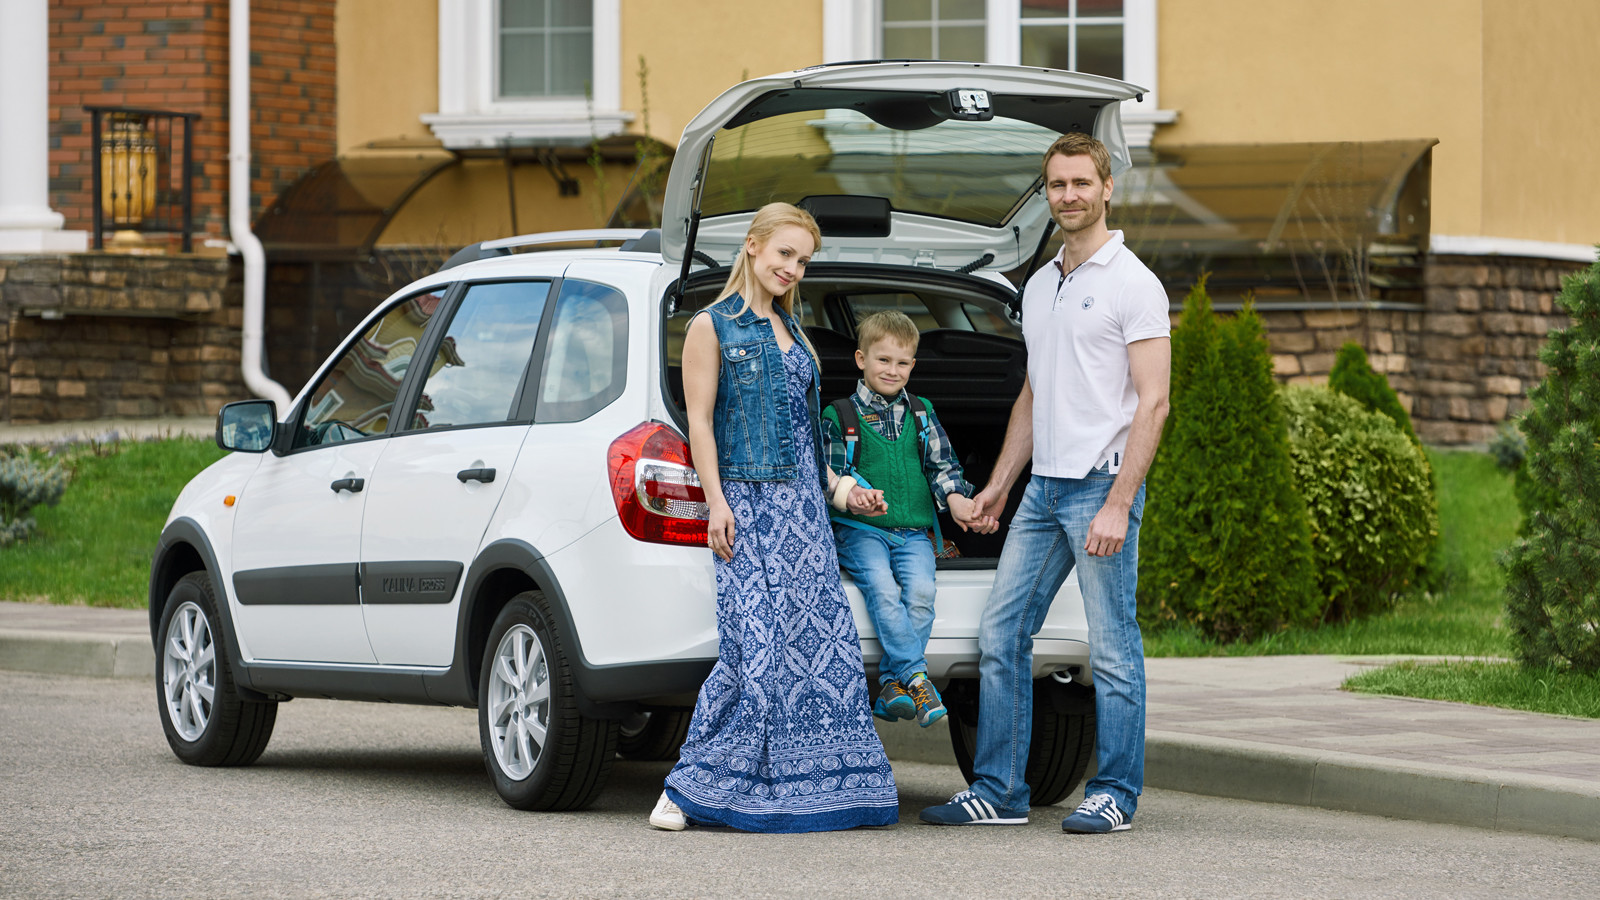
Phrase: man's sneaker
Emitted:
{"points": [[1098, 814], [930, 708], [967, 808], [894, 703], [667, 816]]}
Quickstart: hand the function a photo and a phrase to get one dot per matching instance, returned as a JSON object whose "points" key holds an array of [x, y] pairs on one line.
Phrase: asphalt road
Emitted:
{"points": [[369, 800]]}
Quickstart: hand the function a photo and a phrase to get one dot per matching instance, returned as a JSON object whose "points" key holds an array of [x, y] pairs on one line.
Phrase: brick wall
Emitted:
{"points": [[93, 336], [174, 56], [1462, 363]]}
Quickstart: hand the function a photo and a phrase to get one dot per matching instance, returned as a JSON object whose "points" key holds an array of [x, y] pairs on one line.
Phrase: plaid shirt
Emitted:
{"points": [[886, 418]]}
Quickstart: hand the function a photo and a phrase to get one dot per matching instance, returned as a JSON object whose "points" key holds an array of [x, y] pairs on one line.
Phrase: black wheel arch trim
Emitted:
{"points": [[185, 531], [604, 691]]}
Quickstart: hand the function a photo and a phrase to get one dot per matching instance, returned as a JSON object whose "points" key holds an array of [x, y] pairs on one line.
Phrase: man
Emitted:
{"points": [[1089, 416]]}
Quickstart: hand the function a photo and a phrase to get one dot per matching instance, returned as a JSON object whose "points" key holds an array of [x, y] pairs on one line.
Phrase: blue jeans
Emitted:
{"points": [[1046, 543], [897, 582]]}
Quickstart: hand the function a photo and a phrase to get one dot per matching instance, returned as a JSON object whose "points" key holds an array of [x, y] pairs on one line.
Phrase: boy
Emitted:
{"points": [[887, 444]]}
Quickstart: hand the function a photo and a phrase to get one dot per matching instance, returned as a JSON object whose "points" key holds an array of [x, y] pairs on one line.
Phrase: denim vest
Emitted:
{"points": [[755, 438]]}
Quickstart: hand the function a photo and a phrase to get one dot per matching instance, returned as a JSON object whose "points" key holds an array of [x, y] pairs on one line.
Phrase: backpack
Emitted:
{"points": [[850, 425]]}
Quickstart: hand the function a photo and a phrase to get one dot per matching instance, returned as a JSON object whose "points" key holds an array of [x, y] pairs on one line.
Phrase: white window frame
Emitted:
{"points": [[852, 29], [471, 114]]}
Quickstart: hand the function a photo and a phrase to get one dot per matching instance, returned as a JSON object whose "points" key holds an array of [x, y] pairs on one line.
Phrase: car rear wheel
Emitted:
{"points": [[206, 722], [654, 735], [540, 751], [1063, 735]]}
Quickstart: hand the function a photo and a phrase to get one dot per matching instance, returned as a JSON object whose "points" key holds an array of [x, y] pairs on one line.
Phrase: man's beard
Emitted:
{"points": [[1096, 213]]}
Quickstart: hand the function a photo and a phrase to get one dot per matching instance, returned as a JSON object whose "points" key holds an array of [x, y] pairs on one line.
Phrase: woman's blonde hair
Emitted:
{"points": [[766, 222]]}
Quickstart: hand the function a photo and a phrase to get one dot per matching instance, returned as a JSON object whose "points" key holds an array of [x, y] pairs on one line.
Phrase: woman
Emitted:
{"points": [[782, 738]]}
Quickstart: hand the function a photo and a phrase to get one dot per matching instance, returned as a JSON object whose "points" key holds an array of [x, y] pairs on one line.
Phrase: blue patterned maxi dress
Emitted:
{"points": [[782, 738]]}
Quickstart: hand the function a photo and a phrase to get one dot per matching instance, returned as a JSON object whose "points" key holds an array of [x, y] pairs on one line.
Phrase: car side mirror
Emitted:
{"points": [[247, 426]]}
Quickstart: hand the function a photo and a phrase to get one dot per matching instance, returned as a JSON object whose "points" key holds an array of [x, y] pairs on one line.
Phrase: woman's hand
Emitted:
{"points": [[720, 531]]}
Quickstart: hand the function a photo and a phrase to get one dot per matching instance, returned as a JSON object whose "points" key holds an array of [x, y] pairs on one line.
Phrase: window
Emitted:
{"points": [[479, 369], [585, 365], [933, 29], [528, 71], [863, 305], [356, 396], [546, 48], [1080, 35], [1105, 37]]}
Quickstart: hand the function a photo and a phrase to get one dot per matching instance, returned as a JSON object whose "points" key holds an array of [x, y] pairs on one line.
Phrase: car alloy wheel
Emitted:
{"points": [[189, 671], [519, 702]]}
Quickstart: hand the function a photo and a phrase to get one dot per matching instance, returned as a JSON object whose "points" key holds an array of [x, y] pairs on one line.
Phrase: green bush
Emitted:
{"points": [[1553, 570], [1224, 544], [1368, 493], [1353, 376], [24, 484]]}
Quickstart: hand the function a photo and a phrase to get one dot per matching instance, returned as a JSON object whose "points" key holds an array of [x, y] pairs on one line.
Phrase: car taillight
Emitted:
{"points": [[654, 485]]}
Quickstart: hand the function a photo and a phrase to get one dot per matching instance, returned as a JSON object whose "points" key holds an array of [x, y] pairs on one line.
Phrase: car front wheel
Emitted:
{"points": [[540, 751], [206, 722]]}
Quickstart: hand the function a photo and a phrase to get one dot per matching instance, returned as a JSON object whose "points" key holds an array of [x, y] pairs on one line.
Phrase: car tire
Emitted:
{"points": [[654, 735], [541, 753], [1062, 742], [206, 721]]}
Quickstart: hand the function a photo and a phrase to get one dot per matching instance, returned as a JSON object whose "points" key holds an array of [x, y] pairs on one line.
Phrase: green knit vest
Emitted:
{"points": [[894, 467]]}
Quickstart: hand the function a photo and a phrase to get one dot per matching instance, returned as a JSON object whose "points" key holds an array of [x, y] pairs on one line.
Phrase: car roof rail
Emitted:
{"points": [[504, 246]]}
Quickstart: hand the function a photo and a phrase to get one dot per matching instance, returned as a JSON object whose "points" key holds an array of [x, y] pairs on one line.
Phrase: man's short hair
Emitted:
{"points": [[888, 323], [1079, 144]]}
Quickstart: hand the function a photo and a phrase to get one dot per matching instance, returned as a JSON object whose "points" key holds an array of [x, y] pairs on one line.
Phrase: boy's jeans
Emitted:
{"points": [[1045, 543], [897, 582]]}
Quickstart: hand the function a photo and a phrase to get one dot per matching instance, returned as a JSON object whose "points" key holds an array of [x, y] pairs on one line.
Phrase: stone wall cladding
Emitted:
{"points": [[136, 337], [174, 56], [1463, 363]]}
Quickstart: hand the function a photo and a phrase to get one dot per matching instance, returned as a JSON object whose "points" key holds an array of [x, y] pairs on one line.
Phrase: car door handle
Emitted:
{"points": [[481, 475], [353, 485]]}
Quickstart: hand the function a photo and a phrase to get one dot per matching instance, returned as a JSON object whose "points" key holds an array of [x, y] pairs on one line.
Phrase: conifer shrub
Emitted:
{"points": [[1369, 497], [1553, 569], [1353, 376], [1224, 544], [24, 484]]}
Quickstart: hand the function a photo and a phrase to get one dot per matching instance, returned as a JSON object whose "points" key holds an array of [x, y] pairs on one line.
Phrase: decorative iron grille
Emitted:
{"points": [[143, 172]]}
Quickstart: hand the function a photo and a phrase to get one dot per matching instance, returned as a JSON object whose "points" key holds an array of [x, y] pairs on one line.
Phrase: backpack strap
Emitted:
{"points": [[923, 410], [850, 425]]}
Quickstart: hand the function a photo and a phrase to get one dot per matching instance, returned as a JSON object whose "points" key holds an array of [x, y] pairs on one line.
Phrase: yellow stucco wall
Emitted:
{"points": [[696, 50], [1542, 120], [388, 70], [1240, 71]]}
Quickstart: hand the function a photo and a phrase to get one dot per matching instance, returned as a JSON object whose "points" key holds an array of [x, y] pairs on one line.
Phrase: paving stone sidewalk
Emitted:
{"points": [[1273, 729]]}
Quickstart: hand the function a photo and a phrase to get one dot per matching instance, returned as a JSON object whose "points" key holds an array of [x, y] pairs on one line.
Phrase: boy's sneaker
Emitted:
{"points": [[929, 706], [894, 703], [1098, 814], [667, 815], [967, 808]]}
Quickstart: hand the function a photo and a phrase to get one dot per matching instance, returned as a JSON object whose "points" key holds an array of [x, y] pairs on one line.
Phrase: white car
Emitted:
{"points": [[514, 525]]}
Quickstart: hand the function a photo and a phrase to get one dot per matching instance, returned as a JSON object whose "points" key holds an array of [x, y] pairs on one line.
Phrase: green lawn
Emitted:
{"points": [[1464, 616], [95, 546], [1490, 684]]}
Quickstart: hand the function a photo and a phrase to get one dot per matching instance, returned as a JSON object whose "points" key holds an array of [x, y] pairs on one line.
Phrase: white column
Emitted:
{"points": [[27, 223]]}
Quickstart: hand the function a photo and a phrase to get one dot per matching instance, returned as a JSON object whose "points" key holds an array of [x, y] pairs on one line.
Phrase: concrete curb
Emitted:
{"points": [[1272, 773], [67, 653]]}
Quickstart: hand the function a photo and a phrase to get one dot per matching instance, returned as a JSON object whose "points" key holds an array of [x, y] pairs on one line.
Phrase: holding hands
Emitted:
{"points": [[973, 515], [864, 502]]}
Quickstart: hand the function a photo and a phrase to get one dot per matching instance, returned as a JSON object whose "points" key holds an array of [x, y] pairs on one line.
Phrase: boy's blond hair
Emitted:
{"points": [[888, 323]]}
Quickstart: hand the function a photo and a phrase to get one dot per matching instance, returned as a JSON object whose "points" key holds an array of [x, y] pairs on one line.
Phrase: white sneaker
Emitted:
{"points": [[667, 816]]}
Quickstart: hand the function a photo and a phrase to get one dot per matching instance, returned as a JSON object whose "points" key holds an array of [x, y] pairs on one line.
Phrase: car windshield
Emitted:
{"points": [[973, 171]]}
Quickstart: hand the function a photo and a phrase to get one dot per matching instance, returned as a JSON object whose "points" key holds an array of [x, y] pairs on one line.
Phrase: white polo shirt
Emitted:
{"points": [[1078, 326]]}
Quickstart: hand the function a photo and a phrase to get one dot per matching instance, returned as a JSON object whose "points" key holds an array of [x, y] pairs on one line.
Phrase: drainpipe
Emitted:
{"points": [[249, 246]]}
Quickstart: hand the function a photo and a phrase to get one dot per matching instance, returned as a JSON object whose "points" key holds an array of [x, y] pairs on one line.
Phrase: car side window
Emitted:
{"points": [[863, 305], [586, 361], [990, 321], [356, 396], [478, 371]]}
